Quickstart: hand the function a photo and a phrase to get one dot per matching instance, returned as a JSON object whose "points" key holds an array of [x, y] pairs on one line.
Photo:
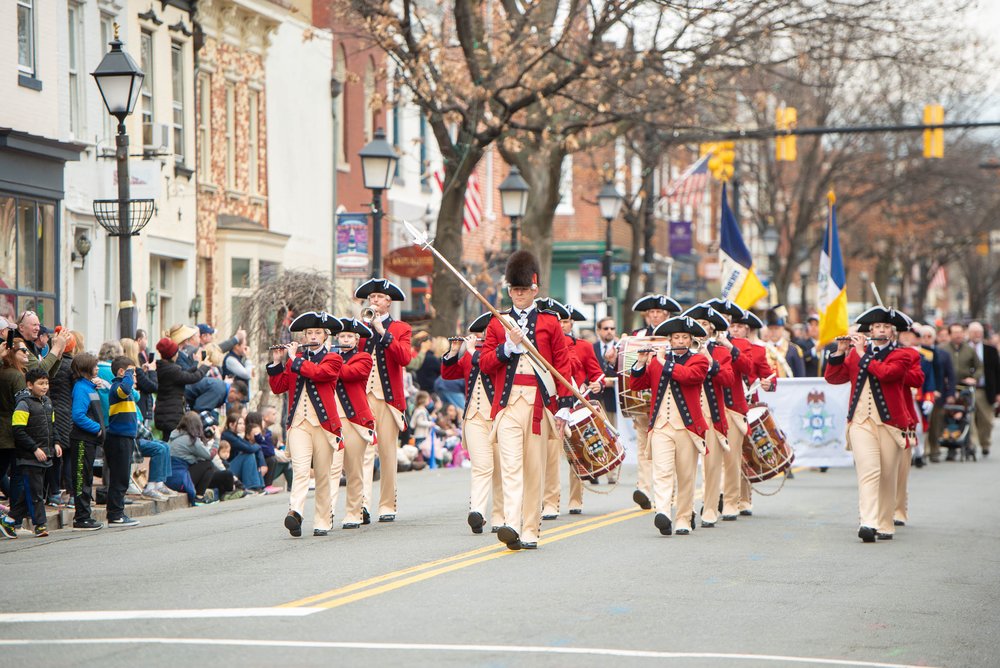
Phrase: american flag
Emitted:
{"points": [[473, 200], [689, 188]]}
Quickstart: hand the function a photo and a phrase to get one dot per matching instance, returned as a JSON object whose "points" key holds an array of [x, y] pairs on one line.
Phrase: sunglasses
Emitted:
{"points": [[25, 315], [22, 349], [608, 328]]}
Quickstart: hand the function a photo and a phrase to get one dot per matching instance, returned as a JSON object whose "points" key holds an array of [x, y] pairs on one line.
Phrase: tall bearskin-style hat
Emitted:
{"points": [[316, 320], [706, 312], [726, 307], [382, 286], [478, 326], [661, 302], [891, 316], [522, 270], [550, 305], [679, 325], [357, 327]]}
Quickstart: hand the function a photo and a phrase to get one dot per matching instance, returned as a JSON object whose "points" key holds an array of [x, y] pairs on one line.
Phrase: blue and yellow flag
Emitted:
{"points": [[832, 281], [740, 284]]}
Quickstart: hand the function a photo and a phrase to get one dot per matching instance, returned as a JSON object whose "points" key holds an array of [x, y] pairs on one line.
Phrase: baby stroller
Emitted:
{"points": [[957, 432]]}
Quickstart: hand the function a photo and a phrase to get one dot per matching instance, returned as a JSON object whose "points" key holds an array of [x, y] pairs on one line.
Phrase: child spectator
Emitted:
{"points": [[245, 457], [119, 443], [282, 464], [35, 445], [263, 438], [86, 434], [421, 423]]}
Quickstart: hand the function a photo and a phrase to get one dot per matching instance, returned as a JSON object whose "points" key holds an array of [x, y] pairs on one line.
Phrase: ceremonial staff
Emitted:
{"points": [[533, 354]]}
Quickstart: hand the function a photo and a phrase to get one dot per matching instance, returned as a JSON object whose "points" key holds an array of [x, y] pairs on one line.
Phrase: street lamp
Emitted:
{"points": [[771, 239], [119, 80], [513, 201], [609, 201], [803, 284], [378, 164]]}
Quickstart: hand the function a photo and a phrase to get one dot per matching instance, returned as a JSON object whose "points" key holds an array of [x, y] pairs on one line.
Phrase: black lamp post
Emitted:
{"points": [[119, 80], [378, 164], [513, 201], [771, 239], [609, 201], [804, 285]]}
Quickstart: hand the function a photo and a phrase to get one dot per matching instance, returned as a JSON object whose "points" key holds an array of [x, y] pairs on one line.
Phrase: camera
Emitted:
{"points": [[208, 424]]}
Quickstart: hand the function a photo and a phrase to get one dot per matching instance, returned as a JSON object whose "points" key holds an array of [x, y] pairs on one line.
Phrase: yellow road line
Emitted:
{"points": [[496, 547], [572, 531]]}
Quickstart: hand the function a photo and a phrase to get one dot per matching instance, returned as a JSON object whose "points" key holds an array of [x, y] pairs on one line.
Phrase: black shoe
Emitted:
{"points": [[515, 546], [350, 525], [707, 525], [642, 500], [494, 529], [662, 522], [366, 517], [123, 521], [720, 503], [884, 536], [529, 546], [476, 521], [746, 513], [986, 453], [683, 531], [898, 523], [507, 535], [952, 456], [293, 522], [866, 534], [918, 462], [729, 518], [389, 517], [89, 524], [320, 532], [550, 517], [824, 469], [693, 525], [576, 511]]}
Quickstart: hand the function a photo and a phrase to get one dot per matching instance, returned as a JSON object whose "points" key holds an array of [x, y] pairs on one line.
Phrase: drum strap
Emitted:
{"points": [[874, 384]]}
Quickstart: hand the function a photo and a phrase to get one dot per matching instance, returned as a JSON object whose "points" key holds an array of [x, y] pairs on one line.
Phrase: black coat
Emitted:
{"points": [[991, 371], [608, 395], [170, 398], [61, 394], [148, 384]]}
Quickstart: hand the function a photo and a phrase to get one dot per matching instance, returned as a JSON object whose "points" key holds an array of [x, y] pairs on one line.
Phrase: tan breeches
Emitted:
{"points": [[485, 458], [732, 465], [644, 461], [876, 462], [674, 457], [355, 448], [311, 446], [711, 467], [551, 493], [521, 463], [902, 482], [387, 435]]}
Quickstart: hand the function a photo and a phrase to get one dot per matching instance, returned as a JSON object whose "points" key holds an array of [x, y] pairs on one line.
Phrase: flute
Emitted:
{"points": [[282, 346], [868, 339]]}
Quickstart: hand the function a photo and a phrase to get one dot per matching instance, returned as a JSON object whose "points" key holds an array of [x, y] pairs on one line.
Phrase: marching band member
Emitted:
{"points": [[913, 384], [713, 404], [462, 361], [677, 427], [785, 357], [352, 407], [309, 377], [524, 388], [748, 328], [877, 420], [655, 308], [390, 349]]}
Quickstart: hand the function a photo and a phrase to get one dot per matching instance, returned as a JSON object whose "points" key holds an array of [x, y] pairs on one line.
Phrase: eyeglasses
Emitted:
{"points": [[25, 315], [23, 350]]}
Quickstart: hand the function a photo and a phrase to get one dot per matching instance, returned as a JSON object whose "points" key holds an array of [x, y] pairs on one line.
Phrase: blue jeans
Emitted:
{"points": [[159, 459], [244, 466], [179, 479], [206, 395]]}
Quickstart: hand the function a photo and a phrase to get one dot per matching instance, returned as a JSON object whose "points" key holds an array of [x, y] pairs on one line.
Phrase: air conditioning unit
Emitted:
{"points": [[155, 138]]}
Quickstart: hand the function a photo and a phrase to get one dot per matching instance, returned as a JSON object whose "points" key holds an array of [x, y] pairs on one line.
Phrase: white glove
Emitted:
{"points": [[927, 407], [563, 414], [511, 348]]}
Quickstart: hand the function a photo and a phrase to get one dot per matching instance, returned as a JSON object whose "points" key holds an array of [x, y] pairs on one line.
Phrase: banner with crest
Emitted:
{"points": [[813, 415]]}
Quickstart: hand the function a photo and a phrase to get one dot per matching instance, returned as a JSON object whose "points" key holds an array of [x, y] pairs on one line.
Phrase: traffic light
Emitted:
{"points": [[934, 139], [785, 119], [721, 163]]}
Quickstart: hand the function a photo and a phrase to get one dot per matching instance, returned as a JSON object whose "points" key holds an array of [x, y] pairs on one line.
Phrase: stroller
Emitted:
{"points": [[957, 432]]}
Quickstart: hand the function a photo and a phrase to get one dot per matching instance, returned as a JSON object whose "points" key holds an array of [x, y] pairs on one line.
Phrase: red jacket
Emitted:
{"points": [[467, 367], [761, 369], [391, 353], [720, 376], [591, 367], [914, 379], [545, 332], [317, 377], [352, 388], [743, 366], [578, 374], [886, 373], [683, 375]]}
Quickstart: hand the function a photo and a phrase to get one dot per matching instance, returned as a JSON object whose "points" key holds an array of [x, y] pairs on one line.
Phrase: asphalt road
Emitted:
{"points": [[226, 585]]}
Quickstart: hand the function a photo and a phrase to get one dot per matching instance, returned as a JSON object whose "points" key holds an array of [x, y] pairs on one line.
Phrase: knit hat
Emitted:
{"points": [[166, 348]]}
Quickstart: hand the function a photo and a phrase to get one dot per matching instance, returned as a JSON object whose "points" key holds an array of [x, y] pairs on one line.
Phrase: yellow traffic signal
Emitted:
{"points": [[934, 139], [723, 155], [785, 119]]}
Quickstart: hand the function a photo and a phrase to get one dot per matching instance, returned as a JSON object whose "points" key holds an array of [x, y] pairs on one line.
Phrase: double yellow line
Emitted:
{"points": [[390, 581]]}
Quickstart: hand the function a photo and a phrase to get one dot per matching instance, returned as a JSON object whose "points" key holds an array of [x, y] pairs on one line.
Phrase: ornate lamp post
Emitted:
{"points": [[514, 201], [378, 164], [609, 201]]}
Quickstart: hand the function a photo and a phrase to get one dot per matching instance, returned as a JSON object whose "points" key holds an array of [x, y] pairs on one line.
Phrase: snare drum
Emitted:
{"points": [[591, 448], [633, 403], [766, 452]]}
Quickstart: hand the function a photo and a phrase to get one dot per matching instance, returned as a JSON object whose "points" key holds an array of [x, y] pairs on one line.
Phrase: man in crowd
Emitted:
{"points": [[944, 383], [208, 393], [986, 387], [28, 328], [606, 350], [807, 345], [784, 356]]}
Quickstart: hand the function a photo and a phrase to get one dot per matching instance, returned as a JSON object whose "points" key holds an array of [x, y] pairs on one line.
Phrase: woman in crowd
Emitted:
{"points": [[15, 363], [172, 380], [61, 394], [246, 460], [191, 453], [449, 433]]}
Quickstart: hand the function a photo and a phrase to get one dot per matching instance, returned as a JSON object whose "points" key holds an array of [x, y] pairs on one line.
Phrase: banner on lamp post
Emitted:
{"points": [[681, 242], [591, 281], [352, 245]]}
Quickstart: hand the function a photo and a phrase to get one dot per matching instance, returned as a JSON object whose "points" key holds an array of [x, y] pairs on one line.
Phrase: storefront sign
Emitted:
{"points": [[410, 262]]}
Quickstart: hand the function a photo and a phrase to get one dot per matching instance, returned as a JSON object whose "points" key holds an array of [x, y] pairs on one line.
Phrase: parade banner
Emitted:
{"points": [[681, 242], [813, 415], [352, 245], [591, 281]]}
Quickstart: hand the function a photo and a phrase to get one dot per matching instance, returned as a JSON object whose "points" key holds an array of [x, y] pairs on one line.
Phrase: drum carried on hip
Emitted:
{"points": [[634, 403], [766, 452], [592, 447]]}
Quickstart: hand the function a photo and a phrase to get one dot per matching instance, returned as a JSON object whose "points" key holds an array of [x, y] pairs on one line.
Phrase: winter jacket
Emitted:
{"points": [[122, 419], [172, 379], [148, 385], [61, 395], [11, 382], [239, 446], [88, 418], [32, 424], [185, 446]]}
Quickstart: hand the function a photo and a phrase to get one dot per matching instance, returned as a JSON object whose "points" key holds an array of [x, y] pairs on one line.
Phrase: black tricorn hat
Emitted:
{"points": [[522, 270], [679, 325], [317, 320], [890, 316], [749, 319], [382, 286], [575, 313], [706, 312], [726, 307], [662, 302], [550, 305], [356, 326], [478, 325]]}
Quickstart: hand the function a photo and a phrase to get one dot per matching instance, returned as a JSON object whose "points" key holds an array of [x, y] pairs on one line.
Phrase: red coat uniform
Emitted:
{"points": [[761, 369], [352, 388], [588, 360], [720, 376], [390, 354], [683, 376], [914, 379], [743, 366], [886, 373], [545, 332], [578, 375], [317, 377], [467, 367]]}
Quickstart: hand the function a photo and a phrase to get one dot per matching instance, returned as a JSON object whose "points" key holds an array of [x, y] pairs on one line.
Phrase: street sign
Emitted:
{"points": [[620, 267]]}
